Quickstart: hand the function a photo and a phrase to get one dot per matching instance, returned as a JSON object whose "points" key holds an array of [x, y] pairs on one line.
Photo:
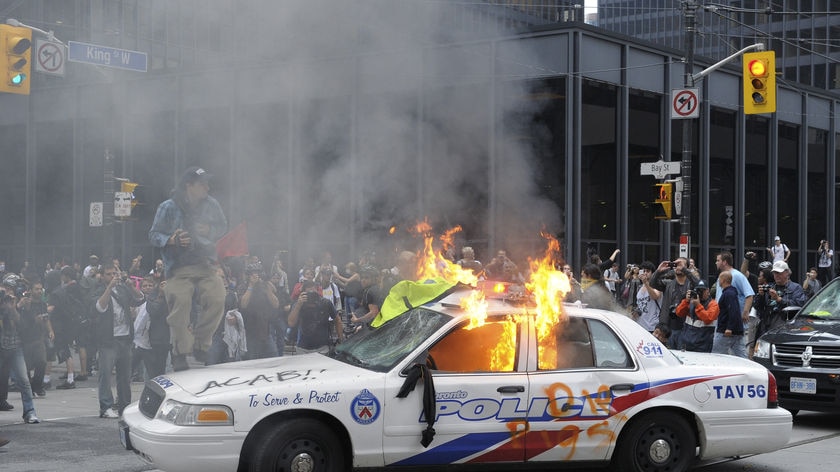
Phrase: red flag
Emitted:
{"points": [[234, 243]]}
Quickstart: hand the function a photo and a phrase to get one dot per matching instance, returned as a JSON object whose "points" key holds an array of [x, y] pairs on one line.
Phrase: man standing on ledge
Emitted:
{"points": [[186, 228]]}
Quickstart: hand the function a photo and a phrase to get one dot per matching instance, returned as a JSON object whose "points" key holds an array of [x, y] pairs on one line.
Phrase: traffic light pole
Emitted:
{"points": [[685, 164], [691, 79]]}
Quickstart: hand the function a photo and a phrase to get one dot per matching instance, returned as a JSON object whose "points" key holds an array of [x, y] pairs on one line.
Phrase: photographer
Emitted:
{"points": [[700, 311], [34, 330], [115, 333], [775, 297], [825, 262], [259, 306], [673, 279], [11, 348], [313, 315]]}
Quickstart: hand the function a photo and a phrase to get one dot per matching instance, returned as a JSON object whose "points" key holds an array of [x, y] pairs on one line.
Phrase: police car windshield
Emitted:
{"points": [[383, 348], [824, 305]]}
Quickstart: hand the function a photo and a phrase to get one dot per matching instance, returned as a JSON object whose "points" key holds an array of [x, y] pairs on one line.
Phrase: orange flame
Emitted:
{"points": [[392, 230], [549, 286], [432, 264]]}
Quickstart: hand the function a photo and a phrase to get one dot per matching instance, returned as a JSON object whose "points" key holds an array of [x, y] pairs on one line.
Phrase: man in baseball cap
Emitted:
{"points": [[186, 228]]}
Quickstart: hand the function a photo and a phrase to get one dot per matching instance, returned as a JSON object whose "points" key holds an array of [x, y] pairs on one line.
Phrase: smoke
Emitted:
{"points": [[386, 117]]}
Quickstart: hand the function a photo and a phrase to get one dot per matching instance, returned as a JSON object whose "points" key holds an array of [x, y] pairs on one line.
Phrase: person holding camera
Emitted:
{"points": [[780, 294], [699, 312], [259, 306], [314, 316], [811, 284], [34, 330], [11, 348], [825, 262], [116, 297], [674, 280]]}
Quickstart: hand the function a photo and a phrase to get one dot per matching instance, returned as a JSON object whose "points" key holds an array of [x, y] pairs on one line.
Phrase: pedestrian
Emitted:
{"points": [[115, 333], [11, 349], [186, 228], [811, 284], [825, 262], [700, 311], [779, 250], [674, 280], [729, 334], [647, 303], [315, 316]]}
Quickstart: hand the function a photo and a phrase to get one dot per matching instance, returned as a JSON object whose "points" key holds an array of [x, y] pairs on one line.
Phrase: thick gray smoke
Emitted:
{"points": [[394, 118]]}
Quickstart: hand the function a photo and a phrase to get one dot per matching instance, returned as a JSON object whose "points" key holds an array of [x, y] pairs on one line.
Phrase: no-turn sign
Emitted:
{"points": [[684, 103], [49, 57]]}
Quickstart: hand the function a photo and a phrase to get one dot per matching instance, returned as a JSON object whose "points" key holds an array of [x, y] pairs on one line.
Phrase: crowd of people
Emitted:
{"points": [[674, 301]]}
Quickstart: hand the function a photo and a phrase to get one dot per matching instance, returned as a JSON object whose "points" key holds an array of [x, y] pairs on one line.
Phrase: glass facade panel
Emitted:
{"points": [[54, 186], [722, 184], [757, 194], [12, 189], [816, 192], [788, 220], [599, 150], [644, 138]]}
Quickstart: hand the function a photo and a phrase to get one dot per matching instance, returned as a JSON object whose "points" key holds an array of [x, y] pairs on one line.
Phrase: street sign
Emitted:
{"points": [[660, 168], [107, 56], [49, 57], [684, 245], [122, 204], [95, 213], [685, 103]]}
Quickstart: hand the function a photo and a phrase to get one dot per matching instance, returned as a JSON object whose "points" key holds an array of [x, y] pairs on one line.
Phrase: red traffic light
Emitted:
{"points": [[758, 68]]}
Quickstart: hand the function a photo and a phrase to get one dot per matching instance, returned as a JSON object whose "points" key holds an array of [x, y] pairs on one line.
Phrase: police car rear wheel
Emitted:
{"points": [[299, 445], [656, 442]]}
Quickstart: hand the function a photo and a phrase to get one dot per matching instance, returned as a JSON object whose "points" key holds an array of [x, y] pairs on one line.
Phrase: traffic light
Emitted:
{"points": [[759, 82], [662, 207], [128, 187], [15, 62]]}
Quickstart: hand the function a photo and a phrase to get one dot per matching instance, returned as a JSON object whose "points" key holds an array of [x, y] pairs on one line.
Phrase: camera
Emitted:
{"points": [[672, 265], [765, 287], [692, 294]]}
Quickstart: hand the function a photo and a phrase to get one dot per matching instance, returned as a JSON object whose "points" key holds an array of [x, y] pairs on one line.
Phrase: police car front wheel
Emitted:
{"points": [[299, 445]]}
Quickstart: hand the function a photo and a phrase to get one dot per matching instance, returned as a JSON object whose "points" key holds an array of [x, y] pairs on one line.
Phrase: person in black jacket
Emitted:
{"points": [[115, 333], [151, 332]]}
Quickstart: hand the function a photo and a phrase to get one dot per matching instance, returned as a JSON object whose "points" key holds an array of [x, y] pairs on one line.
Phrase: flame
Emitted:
{"points": [[549, 286], [432, 264], [392, 230]]}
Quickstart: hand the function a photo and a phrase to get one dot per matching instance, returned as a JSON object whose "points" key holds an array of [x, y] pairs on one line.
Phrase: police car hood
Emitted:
{"points": [[276, 372]]}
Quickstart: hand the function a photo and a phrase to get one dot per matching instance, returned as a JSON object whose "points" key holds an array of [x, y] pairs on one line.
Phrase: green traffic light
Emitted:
{"points": [[18, 78]]}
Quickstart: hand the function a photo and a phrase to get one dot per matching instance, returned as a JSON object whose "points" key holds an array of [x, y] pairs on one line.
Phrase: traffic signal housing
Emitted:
{"points": [[128, 187], [759, 82], [663, 205], [15, 61]]}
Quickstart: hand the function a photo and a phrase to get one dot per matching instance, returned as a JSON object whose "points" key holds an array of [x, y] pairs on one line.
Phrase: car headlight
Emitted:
{"points": [[762, 349], [184, 414]]}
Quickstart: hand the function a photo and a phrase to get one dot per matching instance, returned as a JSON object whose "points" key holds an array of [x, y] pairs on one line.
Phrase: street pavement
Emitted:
{"points": [[70, 437]]}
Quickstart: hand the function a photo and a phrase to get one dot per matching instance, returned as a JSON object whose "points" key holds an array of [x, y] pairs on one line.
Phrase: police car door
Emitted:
{"points": [[580, 369], [480, 404]]}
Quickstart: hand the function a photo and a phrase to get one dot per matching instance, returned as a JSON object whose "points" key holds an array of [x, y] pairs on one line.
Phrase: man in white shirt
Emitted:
{"points": [[779, 250]]}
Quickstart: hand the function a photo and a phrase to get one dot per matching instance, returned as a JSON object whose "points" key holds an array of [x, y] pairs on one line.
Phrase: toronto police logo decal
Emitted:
{"points": [[365, 407]]}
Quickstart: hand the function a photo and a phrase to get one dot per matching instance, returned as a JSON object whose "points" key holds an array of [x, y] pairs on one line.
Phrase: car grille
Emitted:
{"points": [[150, 399], [796, 355]]}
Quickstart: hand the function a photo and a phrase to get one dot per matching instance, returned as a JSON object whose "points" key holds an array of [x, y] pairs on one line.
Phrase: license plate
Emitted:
{"points": [[124, 439], [803, 385]]}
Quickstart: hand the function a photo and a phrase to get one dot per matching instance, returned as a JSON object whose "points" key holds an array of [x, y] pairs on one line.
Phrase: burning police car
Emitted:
{"points": [[438, 385], [804, 354]]}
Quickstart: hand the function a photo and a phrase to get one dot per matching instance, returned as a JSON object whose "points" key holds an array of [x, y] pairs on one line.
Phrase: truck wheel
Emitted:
{"points": [[299, 445], [656, 442]]}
